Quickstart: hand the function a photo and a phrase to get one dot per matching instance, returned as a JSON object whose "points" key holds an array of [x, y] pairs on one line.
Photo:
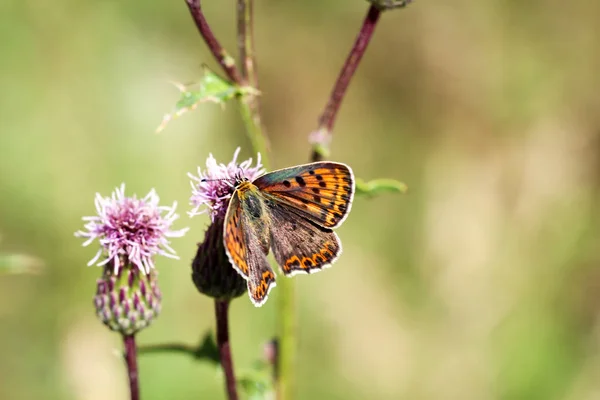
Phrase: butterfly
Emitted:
{"points": [[291, 211]]}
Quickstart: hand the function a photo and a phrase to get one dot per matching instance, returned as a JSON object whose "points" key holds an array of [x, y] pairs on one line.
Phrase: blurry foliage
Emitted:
{"points": [[19, 264], [481, 283], [255, 382], [379, 186], [205, 351]]}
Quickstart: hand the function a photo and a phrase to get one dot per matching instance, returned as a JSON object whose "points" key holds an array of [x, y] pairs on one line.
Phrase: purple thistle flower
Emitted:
{"points": [[213, 187], [131, 230]]}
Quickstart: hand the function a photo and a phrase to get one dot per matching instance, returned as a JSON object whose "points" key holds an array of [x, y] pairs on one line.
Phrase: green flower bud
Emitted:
{"points": [[128, 301]]}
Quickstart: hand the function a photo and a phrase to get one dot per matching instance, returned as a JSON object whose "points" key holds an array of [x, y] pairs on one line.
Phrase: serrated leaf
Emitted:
{"points": [[19, 264], [379, 186], [211, 88]]}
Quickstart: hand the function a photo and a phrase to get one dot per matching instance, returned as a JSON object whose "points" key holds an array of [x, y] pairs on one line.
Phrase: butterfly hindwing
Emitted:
{"points": [[321, 192], [299, 245], [261, 278]]}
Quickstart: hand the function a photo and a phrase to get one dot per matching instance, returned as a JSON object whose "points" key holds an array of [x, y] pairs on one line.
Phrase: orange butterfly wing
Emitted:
{"points": [[321, 192], [245, 253], [233, 237]]}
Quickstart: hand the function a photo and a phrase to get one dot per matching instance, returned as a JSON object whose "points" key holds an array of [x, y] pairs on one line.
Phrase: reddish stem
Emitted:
{"points": [[132, 369], [327, 118], [222, 316], [224, 59]]}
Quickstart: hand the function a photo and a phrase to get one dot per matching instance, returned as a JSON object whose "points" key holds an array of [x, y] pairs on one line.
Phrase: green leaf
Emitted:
{"points": [[19, 264], [379, 186], [257, 383], [207, 350], [211, 88]]}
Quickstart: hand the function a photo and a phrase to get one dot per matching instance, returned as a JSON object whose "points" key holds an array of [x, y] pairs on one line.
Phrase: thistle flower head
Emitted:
{"points": [[130, 230], [212, 188]]}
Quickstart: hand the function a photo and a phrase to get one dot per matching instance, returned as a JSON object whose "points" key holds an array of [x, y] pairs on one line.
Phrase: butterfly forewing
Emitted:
{"points": [[321, 191], [234, 240], [299, 245], [246, 253]]}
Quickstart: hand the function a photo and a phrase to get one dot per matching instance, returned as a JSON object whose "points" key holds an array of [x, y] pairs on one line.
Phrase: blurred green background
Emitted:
{"points": [[482, 283]]}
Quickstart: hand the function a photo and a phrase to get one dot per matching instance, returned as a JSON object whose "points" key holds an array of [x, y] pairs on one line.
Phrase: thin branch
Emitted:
{"points": [[287, 344], [246, 41], [132, 369], [169, 348], [222, 57], [222, 316], [322, 136], [205, 350], [250, 103]]}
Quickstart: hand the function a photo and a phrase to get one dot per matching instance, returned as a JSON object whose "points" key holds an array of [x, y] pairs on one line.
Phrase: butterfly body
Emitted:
{"points": [[253, 205], [291, 211]]}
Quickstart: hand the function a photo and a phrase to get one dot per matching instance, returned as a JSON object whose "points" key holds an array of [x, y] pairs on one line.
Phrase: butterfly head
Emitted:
{"points": [[240, 178], [213, 186]]}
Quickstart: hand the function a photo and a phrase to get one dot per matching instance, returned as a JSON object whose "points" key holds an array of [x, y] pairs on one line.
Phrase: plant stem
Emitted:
{"points": [[223, 58], [250, 109], [222, 316], [132, 369], [254, 130], [246, 41], [322, 136], [287, 343], [250, 103]]}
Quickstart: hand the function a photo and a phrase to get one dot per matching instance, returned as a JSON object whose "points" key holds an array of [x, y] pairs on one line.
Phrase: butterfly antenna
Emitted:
{"points": [[213, 180], [227, 180]]}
